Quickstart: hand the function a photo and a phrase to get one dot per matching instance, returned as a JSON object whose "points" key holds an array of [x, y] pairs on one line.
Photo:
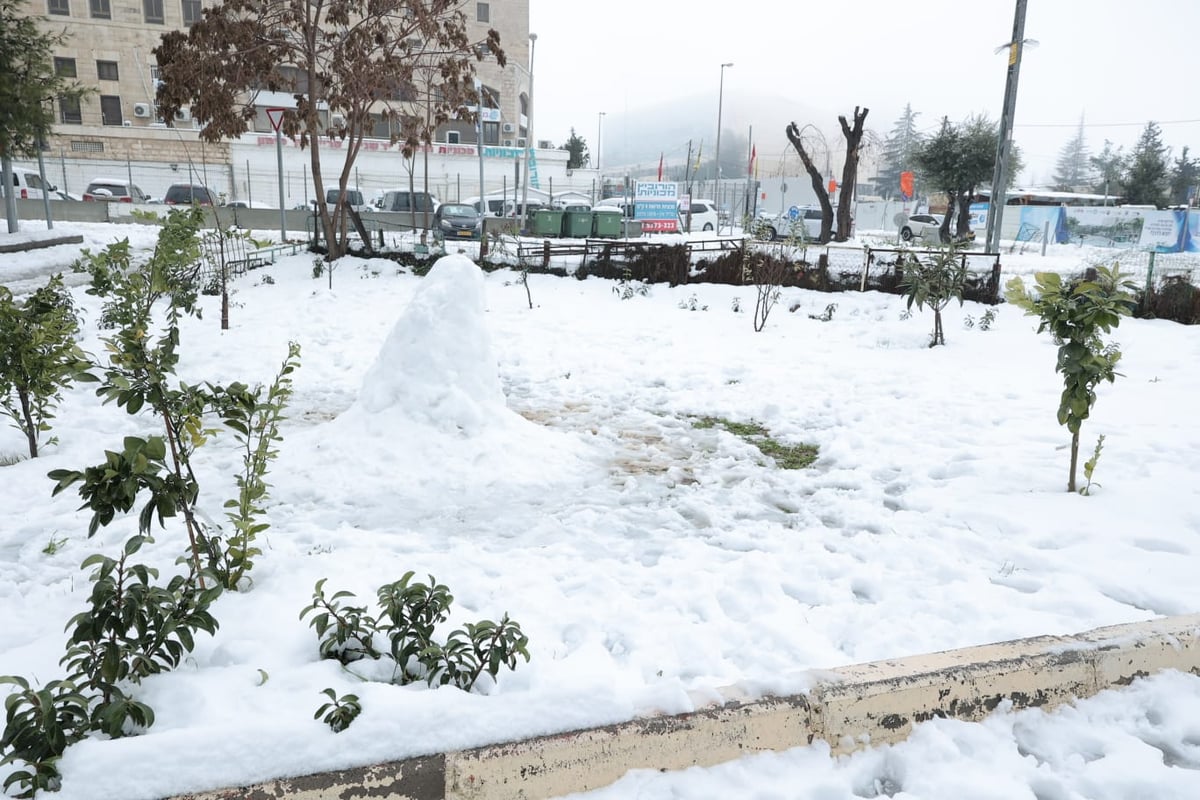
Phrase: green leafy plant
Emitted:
{"points": [[627, 288], [1075, 315], [255, 420], [339, 712], [934, 283], [1089, 467], [133, 628], [54, 544], [39, 357], [39, 726], [404, 632]]}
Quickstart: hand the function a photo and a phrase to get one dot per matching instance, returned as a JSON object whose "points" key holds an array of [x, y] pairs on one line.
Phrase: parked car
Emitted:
{"points": [[806, 225], [27, 185], [354, 198], [458, 221], [114, 190], [404, 200], [61, 195], [927, 227], [187, 194], [704, 216]]}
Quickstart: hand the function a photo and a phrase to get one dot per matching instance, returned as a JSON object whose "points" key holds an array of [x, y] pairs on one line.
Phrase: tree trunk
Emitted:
{"points": [[1074, 460], [849, 172], [30, 428], [951, 206], [963, 224], [818, 184]]}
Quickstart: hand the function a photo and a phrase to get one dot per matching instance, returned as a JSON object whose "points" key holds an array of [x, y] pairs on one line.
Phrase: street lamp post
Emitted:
{"points": [[483, 206], [528, 135], [720, 103], [599, 130]]}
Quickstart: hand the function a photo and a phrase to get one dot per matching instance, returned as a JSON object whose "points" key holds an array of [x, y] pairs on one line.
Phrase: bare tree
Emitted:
{"points": [[350, 67], [853, 137], [797, 135]]}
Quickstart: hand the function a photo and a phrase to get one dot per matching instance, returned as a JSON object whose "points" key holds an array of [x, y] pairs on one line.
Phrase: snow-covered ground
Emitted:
{"points": [[545, 462]]}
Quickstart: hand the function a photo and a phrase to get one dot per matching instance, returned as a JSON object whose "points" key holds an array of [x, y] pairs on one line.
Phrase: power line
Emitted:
{"points": [[1105, 124]]}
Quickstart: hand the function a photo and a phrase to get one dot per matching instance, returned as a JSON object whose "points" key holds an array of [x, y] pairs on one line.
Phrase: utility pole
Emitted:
{"points": [[1000, 176]]}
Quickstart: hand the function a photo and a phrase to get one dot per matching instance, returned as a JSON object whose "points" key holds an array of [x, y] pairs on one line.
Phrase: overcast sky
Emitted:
{"points": [[1118, 63]]}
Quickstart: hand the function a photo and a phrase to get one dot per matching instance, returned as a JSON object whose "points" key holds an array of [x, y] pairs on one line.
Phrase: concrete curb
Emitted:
{"points": [[871, 703], [38, 244]]}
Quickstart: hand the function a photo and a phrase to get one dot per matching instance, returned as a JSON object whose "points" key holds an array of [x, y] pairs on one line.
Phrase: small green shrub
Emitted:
{"points": [[403, 632], [934, 283], [339, 712]]}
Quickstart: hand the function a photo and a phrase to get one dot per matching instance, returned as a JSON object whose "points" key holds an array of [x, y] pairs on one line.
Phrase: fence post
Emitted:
{"points": [[545, 254], [1149, 282]]}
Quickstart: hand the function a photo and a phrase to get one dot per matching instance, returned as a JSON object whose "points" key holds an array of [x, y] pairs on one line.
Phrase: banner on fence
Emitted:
{"points": [[656, 205]]}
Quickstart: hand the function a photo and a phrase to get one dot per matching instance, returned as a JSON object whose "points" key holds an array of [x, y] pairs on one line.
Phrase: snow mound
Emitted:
{"points": [[436, 366]]}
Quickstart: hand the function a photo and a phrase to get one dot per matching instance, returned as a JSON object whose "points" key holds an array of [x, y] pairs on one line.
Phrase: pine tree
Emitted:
{"points": [[1074, 172], [899, 150], [1146, 183], [1109, 170], [1185, 175], [577, 151]]}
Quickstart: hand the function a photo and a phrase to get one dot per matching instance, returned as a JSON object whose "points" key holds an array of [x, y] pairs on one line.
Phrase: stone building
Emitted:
{"points": [[109, 49]]}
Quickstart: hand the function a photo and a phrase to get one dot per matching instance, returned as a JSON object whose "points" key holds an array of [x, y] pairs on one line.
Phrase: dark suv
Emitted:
{"points": [[186, 194]]}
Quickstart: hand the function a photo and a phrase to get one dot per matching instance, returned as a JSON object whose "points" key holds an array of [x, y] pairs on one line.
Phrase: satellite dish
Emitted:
{"points": [[900, 219]]}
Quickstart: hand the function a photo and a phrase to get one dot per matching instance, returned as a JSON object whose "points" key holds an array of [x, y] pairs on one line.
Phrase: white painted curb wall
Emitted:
{"points": [[870, 703]]}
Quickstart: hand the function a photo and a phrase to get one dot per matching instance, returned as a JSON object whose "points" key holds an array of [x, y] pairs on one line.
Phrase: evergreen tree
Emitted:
{"points": [[1146, 182], [1109, 170], [577, 151], [1074, 173], [899, 151], [1185, 175]]}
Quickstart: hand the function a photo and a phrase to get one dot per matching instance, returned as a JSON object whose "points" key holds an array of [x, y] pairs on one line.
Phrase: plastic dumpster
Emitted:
{"points": [[577, 224], [547, 222], [606, 223]]}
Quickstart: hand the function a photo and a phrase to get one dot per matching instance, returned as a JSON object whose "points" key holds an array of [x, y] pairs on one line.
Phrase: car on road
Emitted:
{"points": [[114, 190], [805, 225], [458, 221]]}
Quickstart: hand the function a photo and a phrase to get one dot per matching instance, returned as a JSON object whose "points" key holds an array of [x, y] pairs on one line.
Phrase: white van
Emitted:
{"points": [[405, 200], [27, 185]]}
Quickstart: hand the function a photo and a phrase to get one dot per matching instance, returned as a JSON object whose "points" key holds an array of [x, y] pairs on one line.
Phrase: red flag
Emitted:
{"points": [[832, 186], [660, 165], [753, 158], [906, 184]]}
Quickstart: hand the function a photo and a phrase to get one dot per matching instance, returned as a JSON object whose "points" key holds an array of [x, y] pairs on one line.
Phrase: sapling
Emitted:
{"points": [[934, 283], [39, 357], [1076, 315]]}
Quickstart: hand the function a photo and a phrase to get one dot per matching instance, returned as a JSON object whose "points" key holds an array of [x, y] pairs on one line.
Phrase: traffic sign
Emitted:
{"points": [[794, 212], [275, 115]]}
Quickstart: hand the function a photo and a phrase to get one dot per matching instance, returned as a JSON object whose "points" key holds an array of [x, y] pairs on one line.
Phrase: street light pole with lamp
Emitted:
{"points": [[720, 103], [528, 136]]}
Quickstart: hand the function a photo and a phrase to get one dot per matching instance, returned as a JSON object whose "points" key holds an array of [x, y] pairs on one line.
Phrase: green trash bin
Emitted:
{"points": [[547, 222], [577, 224], [606, 223]]}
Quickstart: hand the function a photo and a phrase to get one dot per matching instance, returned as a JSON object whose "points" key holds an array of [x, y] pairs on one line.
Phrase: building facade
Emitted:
{"points": [[109, 48]]}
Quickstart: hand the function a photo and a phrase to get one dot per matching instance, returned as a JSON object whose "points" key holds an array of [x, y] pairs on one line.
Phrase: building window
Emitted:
{"points": [[483, 12], [65, 67], [191, 12], [451, 137], [101, 9], [62, 7], [153, 9], [110, 110], [107, 71], [69, 112]]}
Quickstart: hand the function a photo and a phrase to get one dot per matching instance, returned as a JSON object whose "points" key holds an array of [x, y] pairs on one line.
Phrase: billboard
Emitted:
{"points": [[656, 206]]}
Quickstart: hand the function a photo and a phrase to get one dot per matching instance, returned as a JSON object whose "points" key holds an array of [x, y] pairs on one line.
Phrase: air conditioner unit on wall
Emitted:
{"points": [[183, 115], [508, 142], [521, 142], [142, 110], [509, 127]]}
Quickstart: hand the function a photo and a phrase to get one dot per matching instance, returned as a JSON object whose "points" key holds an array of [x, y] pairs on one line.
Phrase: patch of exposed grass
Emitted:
{"points": [[8, 459], [785, 456]]}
